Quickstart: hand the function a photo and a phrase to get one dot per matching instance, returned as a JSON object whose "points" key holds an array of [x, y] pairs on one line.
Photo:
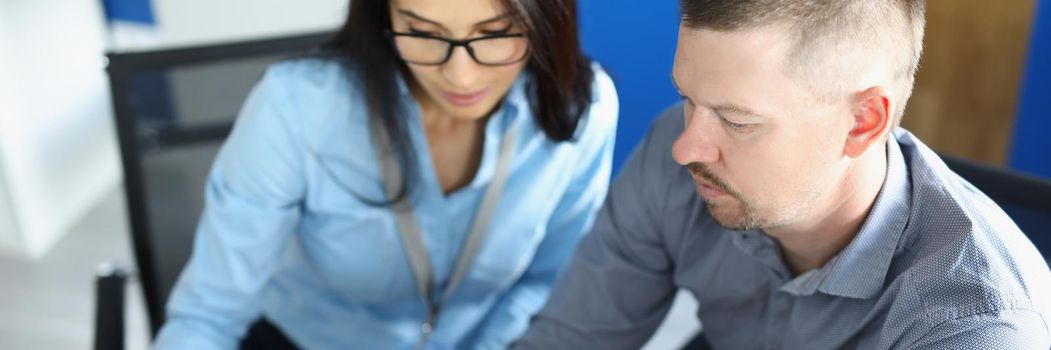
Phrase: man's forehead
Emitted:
{"points": [[729, 55], [764, 38], [733, 68]]}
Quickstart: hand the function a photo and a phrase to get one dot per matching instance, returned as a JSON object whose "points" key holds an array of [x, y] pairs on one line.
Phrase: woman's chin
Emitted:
{"points": [[470, 113]]}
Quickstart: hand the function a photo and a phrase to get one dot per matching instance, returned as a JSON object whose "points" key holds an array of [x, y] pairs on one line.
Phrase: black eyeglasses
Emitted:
{"points": [[429, 50]]}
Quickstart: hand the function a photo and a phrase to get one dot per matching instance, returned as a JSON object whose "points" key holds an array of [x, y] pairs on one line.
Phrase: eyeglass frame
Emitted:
{"points": [[453, 44]]}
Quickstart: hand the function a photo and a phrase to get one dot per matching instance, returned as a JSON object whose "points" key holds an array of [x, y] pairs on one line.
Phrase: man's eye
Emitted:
{"points": [[737, 126]]}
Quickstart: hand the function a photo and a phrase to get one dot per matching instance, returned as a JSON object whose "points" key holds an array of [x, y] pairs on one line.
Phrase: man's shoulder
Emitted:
{"points": [[945, 207], [961, 252]]}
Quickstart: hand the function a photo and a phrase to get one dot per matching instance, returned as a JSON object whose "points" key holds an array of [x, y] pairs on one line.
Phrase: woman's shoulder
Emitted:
{"points": [[602, 77], [316, 74], [321, 94], [604, 98], [600, 121]]}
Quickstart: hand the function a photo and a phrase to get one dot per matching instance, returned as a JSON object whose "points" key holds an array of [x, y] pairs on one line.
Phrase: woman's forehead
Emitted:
{"points": [[452, 13]]}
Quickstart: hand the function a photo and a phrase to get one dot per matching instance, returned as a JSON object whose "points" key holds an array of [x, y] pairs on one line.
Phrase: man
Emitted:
{"points": [[786, 201]]}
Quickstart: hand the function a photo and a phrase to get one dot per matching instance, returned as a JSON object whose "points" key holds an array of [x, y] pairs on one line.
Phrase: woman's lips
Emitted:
{"points": [[464, 100]]}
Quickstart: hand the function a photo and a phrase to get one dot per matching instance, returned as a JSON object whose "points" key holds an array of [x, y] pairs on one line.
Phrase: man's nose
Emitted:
{"points": [[697, 141]]}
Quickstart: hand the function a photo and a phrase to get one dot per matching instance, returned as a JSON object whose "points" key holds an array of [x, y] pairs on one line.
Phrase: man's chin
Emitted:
{"points": [[730, 217]]}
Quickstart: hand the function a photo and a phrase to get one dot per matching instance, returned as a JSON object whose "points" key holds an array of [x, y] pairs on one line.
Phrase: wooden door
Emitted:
{"points": [[968, 85]]}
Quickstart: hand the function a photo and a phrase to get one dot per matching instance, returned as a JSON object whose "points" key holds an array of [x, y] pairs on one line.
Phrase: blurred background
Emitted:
{"points": [[110, 112]]}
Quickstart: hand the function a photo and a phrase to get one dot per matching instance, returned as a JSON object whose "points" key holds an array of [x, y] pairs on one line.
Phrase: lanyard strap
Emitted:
{"points": [[410, 229]]}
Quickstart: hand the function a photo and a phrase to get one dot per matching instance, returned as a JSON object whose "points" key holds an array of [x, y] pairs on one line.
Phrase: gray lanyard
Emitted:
{"points": [[410, 229]]}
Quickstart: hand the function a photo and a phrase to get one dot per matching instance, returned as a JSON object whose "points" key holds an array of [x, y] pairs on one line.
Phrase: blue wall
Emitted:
{"points": [[635, 42], [1031, 151]]}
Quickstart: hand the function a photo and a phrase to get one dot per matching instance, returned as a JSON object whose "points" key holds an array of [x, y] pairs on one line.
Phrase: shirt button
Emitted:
{"points": [[427, 328]]}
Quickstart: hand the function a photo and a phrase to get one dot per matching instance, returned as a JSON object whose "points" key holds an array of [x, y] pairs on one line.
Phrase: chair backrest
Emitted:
{"points": [[1026, 199], [173, 110]]}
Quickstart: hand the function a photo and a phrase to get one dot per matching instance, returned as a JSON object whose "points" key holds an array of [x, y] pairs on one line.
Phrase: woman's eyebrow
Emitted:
{"points": [[413, 15], [494, 19]]}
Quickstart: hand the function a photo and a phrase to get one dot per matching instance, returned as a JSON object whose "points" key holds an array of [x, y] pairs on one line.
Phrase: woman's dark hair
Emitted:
{"points": [[560, 92]]}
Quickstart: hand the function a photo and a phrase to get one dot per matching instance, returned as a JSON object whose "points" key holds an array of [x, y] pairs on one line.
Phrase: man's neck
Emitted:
{"points": [[811, 242]]}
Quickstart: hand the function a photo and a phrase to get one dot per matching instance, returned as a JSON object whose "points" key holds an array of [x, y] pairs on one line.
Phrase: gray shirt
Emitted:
{"points": [[936, 265]]}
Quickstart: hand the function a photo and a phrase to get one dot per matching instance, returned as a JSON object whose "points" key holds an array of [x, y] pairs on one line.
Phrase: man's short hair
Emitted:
{"points": [[833, 39]]}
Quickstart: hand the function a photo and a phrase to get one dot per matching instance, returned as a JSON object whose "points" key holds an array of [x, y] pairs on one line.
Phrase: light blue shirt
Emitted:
{"points": [[282, 237], [936, 265]]}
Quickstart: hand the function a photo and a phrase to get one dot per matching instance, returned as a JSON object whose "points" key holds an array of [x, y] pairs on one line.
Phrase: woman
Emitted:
{"points": [[419, 182]]}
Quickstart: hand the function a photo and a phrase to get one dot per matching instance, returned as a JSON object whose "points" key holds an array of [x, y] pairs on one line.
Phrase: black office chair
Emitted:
{"points": [[173, 109]]}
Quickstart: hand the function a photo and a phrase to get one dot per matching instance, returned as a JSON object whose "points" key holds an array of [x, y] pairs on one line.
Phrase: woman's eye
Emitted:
{"points": [[422, 32], [503, 31]]}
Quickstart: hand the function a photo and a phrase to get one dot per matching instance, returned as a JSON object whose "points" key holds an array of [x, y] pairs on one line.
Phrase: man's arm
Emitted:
{"points": [[1005, 329], [619, 285]]}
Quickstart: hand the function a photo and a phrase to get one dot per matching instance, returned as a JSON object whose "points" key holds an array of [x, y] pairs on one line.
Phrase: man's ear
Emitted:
{"points": [[872, 121]]}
